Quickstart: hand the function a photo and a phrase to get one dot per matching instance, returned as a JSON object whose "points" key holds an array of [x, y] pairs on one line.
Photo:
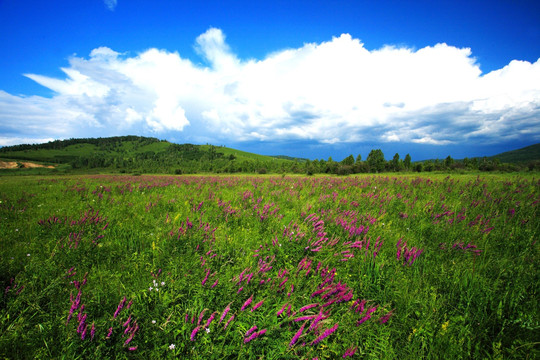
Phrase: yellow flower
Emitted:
{"points": [[411, 334], [444, 326]]}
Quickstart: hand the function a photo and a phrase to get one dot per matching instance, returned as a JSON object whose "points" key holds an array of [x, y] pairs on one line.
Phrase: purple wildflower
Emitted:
{"points": [[206, 277], [297, 335], [194, 333], [360, 308], [83, 333], [225, 311], [302, 318], [350, 352], [70, 315], [128, 329], [210, 318], [307, 307], [246, 304], [82, 323], [318, 267], [385, 318], [324, 335], [128, 340], [120, 307], [329, 302], [79, 317], [250, 331], [254, 336], [201, 317], [316, 320], [127, 321], [92, 331], [228, 321], [257, 305], [320, 291], [282, 309], [367, 316]]}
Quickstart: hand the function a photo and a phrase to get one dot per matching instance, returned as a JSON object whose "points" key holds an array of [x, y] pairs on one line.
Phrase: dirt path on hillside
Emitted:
{"points": [[24, 165]]}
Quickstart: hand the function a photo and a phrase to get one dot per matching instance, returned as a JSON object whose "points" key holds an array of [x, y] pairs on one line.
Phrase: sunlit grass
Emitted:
{"points": [[269, 267]]}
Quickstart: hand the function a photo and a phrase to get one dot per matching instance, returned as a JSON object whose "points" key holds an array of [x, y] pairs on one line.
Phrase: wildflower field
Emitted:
{"points": [[269, 267]]}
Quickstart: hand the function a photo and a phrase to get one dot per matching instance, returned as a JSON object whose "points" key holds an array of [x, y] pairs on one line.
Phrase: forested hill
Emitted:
{"points": [[104, 144], [526, 154], [144, 154]]}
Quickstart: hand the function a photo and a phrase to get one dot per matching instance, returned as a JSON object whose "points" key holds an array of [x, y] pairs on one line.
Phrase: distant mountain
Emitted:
{"points": [[526, 154]]}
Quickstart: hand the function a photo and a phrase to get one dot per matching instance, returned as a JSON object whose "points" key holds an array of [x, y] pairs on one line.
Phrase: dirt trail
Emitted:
{"points": [[25, 165]]}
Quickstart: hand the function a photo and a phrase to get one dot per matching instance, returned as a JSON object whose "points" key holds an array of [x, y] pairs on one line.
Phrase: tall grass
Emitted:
{"points": [[269, 267]]}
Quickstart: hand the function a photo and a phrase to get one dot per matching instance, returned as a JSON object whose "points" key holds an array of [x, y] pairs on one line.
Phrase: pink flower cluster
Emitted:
{"points": [[407, 255]]}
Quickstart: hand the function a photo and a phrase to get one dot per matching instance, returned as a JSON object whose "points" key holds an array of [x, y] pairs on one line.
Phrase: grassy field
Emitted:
{"points": [[269, 267]]}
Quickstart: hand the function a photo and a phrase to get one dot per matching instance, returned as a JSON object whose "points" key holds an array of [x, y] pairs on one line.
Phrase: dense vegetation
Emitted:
{"points": [[527, 154], [273, 267], [133, 154], [148, 155]]}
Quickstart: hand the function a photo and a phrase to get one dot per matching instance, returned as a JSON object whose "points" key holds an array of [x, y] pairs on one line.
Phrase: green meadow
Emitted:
{"points": [[270, 267]]}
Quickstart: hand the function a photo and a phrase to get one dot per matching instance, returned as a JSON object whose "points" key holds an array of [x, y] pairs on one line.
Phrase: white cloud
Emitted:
{"points": [[332, 92], [111, 4], [8, 141], [77, 84]]}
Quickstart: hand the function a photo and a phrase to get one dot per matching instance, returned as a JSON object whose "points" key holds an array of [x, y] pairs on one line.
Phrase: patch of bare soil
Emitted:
{"points": [[8, 165], [29, 165], [25, 165]]}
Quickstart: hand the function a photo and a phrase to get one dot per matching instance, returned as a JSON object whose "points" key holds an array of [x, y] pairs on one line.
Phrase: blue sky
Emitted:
{"points": [[302, 78]]}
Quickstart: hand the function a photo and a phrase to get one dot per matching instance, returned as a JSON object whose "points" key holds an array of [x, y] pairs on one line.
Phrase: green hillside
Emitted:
{"points": [[526, 154], [241, 155], [143, 154], [64, 151]]}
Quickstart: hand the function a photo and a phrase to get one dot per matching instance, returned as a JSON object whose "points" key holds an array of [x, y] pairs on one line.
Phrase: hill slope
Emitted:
{"points": [[135, 153], [528, 153]]}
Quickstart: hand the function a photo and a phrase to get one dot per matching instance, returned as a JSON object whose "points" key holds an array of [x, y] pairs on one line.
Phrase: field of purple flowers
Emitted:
{"points": [[274, 267]]}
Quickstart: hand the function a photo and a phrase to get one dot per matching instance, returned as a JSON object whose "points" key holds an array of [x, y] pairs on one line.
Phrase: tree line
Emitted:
{"points": [[145, 155], [376, 163]]}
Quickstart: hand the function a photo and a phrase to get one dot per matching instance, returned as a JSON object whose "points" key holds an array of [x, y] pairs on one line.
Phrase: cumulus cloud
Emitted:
{"points": [[331, 92]]}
